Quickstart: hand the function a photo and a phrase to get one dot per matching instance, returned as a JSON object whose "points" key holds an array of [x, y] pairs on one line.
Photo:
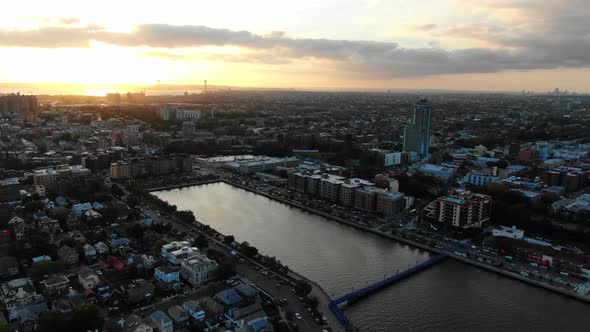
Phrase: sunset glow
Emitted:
{"points": [[451, 44]]}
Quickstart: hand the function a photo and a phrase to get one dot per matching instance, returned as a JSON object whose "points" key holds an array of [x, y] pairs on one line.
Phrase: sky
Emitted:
{"points": [[495, 45]]}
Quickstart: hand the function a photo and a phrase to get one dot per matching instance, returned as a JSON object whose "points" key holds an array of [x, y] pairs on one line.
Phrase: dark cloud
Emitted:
{"points": [[549, 35]]}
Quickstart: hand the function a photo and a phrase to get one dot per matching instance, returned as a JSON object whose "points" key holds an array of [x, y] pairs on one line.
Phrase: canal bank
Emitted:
{"points": [[422, 246], [341, 259]]}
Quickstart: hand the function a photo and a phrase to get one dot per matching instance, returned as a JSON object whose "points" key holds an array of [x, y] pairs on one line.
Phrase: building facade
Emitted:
{"points": [[461, 208], [417, 133], [198, 270]]}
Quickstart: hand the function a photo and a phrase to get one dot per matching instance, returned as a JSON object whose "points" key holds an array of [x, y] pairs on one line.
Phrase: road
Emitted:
{"points": [[254, 272]]}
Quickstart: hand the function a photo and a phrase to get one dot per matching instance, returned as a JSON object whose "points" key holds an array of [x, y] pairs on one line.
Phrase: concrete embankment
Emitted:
{"points": [[182, 185], [395, 238], [418, 244]]}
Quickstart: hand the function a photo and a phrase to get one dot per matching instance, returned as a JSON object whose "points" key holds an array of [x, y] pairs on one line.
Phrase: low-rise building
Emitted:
{"points": [[440, 172], [509, 232], [88, 278], [55, 283], [180, 317], [18, 293], [197, 270], [168, 275], [194, 310], [479, 179], [134, 323], [68, 255], [8, 266], [161, 321]]}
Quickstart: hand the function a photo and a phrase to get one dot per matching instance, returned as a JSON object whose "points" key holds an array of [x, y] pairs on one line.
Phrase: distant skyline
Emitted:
{"points": [[482, 45]]}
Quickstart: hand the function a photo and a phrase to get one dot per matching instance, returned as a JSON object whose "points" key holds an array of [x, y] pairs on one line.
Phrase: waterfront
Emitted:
{"points": [[448, 296]]}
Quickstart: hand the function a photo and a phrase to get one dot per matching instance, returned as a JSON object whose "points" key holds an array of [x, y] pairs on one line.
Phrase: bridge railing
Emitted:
{"points": [[334, 304]]}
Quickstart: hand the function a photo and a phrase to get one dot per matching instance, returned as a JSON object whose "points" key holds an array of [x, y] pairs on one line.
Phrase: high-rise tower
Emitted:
{"points": [[417, 133]]}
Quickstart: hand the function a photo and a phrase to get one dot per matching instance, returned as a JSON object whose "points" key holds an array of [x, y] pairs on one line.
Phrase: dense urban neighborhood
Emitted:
{"points": [[498, 181]]}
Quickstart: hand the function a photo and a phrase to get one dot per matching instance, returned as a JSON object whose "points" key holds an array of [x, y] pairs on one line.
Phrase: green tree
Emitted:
{"points": [[4, 327], [39, 269], [157, 247], [85, 317], [54, 320], [248, 250]]}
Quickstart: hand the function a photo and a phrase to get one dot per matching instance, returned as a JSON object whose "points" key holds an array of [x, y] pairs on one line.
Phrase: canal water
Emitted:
{"points": [[451, 296]]}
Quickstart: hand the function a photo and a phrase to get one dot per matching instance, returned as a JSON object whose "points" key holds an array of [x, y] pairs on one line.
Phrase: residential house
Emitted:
{"points": [[88, 278], [260, 324], [168, 276], [248, 292], [161, 321], [108, 296], [194, 310], [18, 293], [134, 323], [198, 270], [79, 209], [92, 215], [180, 317], [49, 204], [61, 201], [20, 231], [119, 245], [55, 283], [139, 290], [101, 248], [43, 258], [212, 307], [115, 266], [90, 252], [68, 254], [97, 206], [15, 220], [27, 317], [229, 298], [49, 226], [77, 236]]}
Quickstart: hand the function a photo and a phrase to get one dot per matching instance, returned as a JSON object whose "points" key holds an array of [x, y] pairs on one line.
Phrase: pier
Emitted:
{"points": [[334, 305]]}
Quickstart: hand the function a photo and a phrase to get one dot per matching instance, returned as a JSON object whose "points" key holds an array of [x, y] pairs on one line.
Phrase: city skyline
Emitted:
{"points": [[332, 45]]}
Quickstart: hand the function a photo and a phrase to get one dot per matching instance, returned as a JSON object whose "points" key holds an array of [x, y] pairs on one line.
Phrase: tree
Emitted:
{"points": [[116, 190], [215, 255], [136, 231], [157, 247], [85, 317], [4, 327], [226, 269], [201, 242], [54, 320], [39, 269], [229, 239], [132, 201], [302, 287], [34, 206], [186, 216], [447, 157], [248, 250], [110, 213]]}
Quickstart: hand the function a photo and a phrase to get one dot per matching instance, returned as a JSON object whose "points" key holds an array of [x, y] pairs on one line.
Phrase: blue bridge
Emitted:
{"points": [[334, 305]]}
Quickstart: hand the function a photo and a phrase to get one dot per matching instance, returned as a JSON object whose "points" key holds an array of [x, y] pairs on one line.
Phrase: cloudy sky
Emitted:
{"points": [[506, 45]]}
